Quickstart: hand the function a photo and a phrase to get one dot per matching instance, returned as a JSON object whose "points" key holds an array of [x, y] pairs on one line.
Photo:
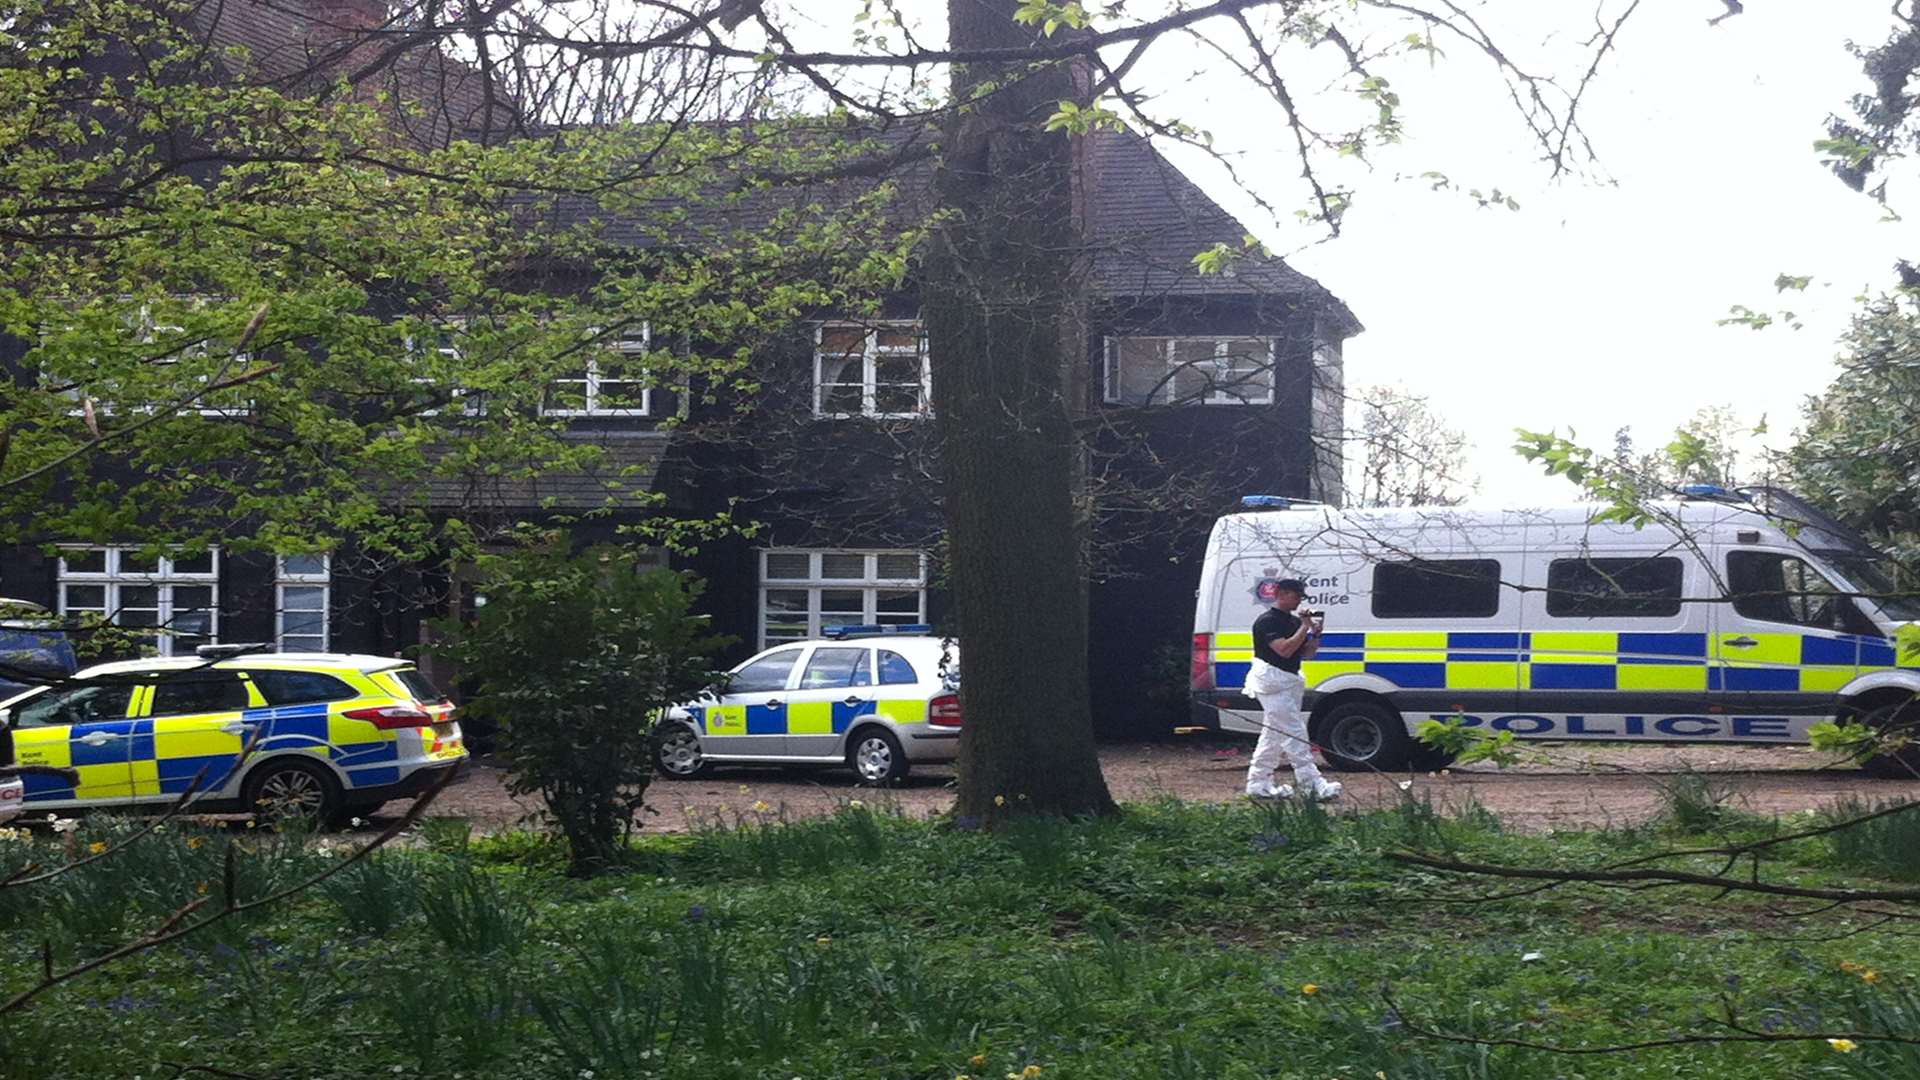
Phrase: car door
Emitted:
{"points": [[87, 727], [835, 686], [751, 716], [1786, 642], [194, 726]]}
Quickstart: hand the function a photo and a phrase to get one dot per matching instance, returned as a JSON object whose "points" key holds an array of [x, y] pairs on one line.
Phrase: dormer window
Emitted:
{"points": [[1189, 371], [614, 382], [871, 369]]}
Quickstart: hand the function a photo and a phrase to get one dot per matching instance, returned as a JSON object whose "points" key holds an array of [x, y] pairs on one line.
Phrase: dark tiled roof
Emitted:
{"points": [[627, 472], [1146, 220], [295, 44]]}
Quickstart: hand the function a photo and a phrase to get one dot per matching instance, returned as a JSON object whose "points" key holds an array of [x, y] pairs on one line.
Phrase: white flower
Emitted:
{"points": [[1529, 958], [856, 804], [63, 825], [1406, 785]]}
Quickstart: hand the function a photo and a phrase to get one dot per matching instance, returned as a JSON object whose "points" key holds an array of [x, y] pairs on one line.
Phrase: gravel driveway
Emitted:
{"points": [[1574, 785]]}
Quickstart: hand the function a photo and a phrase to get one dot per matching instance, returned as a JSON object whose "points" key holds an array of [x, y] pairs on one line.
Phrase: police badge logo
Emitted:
{"points": [[1267, 588]]}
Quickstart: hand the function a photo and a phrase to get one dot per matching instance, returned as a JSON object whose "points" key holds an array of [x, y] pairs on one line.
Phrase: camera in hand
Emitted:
{"points": [[1317, 619]]}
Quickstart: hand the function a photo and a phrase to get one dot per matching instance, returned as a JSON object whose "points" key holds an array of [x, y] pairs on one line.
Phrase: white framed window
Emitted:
{"points": [[1189, 370], [440, 348], [616, 384], [871, 369], [167, 345], [177, 596], [303, 588], [803, 591]]}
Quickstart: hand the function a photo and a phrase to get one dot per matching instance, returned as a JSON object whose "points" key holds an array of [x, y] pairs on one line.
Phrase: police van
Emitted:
{"points": [[1732, 616]]}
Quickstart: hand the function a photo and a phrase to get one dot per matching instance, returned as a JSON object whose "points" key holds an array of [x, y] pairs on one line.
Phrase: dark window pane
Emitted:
{"points": [[835, 667], [194, 564], [90, 561], [1617, 587], [305, 565], [765, 674], [419, 685], [75, 705], [895, 670], [303, 687], [1781, 588], [1442, 588], [200, 693]]}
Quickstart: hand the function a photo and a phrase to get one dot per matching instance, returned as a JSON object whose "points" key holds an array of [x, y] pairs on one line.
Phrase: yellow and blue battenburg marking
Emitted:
{"points": [[803, 717], [1578, 660]]}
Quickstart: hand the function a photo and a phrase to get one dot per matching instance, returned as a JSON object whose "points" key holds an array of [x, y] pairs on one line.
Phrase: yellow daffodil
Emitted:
{"points": [[823, 941], [760, 806], [97, 847], [977, 1061], [194, 842], [1029, 1072], [1844, 1046], [1870, 976], [1848, 965], [1310, 988]]}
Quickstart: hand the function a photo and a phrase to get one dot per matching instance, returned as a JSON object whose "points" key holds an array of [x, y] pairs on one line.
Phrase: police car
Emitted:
{"points": [[879, 699], [315, 735], [1736, 616]]}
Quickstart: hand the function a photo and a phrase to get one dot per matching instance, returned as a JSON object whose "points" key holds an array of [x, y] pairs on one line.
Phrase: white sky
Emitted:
{"points": [[1594, 306]]}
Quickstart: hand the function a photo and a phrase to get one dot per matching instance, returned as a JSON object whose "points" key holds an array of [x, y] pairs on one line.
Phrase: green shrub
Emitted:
{"points": [[1885, 846]]}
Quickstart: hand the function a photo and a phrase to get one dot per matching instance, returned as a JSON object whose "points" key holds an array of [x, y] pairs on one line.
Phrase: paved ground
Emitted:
{"points": [[1578, 785]]}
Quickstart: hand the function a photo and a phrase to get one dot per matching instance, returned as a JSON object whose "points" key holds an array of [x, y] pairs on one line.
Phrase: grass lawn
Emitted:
{"points": [[1181, 940]]}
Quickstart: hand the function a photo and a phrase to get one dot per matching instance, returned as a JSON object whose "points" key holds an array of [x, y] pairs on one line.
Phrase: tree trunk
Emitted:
{"points": [[1003, 312]]}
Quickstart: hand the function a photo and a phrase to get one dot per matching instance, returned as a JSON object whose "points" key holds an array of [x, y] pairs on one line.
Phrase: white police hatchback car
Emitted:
{"points": [[879, 699]]}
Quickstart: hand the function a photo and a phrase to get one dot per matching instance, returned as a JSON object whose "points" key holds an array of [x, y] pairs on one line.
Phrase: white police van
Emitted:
{"points": [[1735, 616]]}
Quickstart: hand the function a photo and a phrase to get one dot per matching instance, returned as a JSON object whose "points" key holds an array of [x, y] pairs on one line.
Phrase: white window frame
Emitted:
{"points": [[870, 585], [112, 578], [1216, 393], [869, 382], [284, 579], [149, 332], [449, 330], [590, 382]]}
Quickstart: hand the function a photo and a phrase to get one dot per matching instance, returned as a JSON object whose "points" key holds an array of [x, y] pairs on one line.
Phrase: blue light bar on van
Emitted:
{"points": [[841, 633], [1705, 491], [1267, 502]]}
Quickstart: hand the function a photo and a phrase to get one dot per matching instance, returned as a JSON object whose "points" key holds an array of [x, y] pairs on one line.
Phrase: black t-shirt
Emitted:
{"points": [[1275, 625]]}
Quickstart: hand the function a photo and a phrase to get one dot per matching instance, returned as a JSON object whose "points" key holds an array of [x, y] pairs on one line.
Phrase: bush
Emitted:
{"points": [[576, 658]]}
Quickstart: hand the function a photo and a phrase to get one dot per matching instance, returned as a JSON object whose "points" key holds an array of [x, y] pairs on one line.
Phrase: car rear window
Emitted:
{"points": [[301, 687], [418, 685], [895, 670]]}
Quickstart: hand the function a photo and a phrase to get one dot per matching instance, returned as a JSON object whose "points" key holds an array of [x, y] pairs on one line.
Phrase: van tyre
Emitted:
{"points": [[294, 790], [677, 754], [1898, 721], [1363, 736], [877, 756]]}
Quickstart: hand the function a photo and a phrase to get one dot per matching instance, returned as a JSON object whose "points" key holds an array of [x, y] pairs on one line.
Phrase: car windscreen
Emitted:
{"points": [[1878, 579], [32, 657]]}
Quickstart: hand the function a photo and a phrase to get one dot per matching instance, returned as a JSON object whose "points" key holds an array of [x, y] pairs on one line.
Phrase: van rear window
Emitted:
{"points": [[1436, 589], [418, 685], [1628, 588]]}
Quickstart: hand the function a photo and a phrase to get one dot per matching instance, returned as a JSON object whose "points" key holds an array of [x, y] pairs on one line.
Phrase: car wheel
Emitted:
{"points": [[877, 756], [1364, 735], [291, 789], [677, 756], [1897, 722]]}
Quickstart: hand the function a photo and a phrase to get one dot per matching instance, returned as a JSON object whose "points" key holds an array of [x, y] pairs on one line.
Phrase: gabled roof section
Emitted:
{"points": [[302, 45], [1147, 221]]}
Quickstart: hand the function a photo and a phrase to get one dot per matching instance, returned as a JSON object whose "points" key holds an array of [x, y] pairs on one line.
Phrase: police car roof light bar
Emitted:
{"points": [[1274, 502], [841, 633], [238, 648]]}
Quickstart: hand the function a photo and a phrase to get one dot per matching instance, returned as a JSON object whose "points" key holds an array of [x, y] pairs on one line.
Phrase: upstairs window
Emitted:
{"points": [[442, 352], [612, 383], [175, 365], [878, 370], [1189, 371], [302, 586]]}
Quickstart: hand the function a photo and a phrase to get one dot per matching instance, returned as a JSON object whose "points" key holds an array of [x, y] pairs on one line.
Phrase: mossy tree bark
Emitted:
{"points": [[1004, 320]]}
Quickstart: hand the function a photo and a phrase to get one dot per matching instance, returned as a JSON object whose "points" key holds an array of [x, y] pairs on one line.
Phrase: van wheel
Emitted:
{"points": [[1362, 736], [1899, 723], [877, 756], [677, 756]]}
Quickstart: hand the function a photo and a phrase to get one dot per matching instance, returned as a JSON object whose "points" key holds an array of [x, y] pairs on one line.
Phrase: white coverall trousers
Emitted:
{"points": [[1283, 731]]}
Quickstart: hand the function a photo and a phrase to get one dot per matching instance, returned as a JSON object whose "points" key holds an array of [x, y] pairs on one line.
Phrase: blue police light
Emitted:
{"points": [[1705, 491], [1267, 502], [841, 633]]}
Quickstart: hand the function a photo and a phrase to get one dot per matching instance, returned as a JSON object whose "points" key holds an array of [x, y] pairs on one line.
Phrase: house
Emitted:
{"points": [[1196, 389]]}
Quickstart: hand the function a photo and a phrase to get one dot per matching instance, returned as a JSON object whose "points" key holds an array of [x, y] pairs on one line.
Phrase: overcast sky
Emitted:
{"points": [[1594, 306]]}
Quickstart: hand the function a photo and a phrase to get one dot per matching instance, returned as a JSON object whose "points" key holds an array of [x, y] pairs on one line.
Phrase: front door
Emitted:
{"points": [[751, 716], [1786, 643], [835, 687], [86, 727], [196, 734]]}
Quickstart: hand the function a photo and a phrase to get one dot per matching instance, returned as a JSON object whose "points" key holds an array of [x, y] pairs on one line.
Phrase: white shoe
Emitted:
{"points": [[1259, 792], [1327, 790]]}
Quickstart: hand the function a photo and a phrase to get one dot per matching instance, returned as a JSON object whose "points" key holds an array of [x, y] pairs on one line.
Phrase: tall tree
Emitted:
{"points": [[1403, 453]]}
